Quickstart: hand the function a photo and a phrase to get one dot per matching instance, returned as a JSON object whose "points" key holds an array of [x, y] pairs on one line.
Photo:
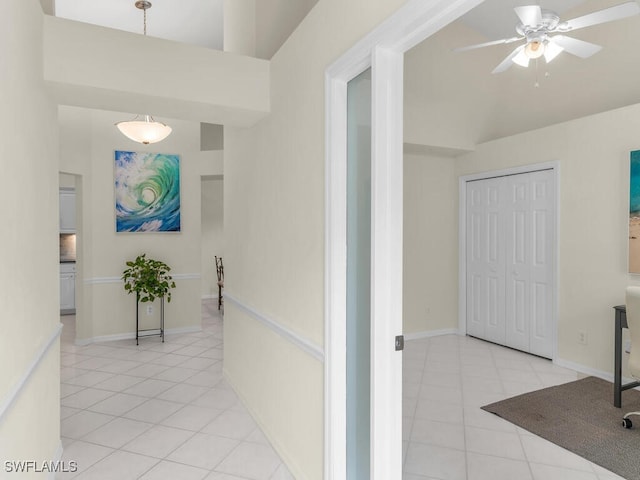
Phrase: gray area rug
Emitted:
{"points": [[580, 417]]}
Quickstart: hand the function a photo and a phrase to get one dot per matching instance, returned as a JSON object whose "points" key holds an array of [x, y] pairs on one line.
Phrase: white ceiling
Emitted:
{"points": [[498, 20], [197, 22], [453, 101]]}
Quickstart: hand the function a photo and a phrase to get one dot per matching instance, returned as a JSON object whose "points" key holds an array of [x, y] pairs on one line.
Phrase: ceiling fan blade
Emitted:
{"points": [[529, 15], [618, 12], [552, 50], [508, 61], [488, 44], [521, 59], [576, 47]]}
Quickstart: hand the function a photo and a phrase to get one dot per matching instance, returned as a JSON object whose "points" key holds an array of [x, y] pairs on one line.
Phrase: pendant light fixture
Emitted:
{"points": [[144, 130]]}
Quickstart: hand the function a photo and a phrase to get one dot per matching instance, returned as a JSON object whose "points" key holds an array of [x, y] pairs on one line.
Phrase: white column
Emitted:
{"points": [[240, 27]]}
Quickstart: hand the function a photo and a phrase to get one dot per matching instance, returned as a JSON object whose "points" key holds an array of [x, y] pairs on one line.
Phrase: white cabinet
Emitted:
{"points": [[67, 210], [67, 287]]}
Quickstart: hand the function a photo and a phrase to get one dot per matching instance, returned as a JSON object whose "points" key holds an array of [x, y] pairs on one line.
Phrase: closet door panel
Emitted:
{"points": [[510, 260], [485, 260], [542, 262], [517, 213]]}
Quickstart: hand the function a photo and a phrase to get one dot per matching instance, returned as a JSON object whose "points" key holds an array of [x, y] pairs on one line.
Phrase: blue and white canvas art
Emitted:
{"points": [[634, 212], [147, 189]]}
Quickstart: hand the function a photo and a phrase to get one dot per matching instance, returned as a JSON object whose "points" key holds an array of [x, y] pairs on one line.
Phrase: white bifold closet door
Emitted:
{"points": [[510, 260]]}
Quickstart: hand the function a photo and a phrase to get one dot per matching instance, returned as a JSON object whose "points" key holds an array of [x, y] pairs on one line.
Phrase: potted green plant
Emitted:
{"points": [[149, 279]]}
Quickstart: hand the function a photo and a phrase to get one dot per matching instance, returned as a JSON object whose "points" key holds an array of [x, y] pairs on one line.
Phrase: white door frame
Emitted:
{"points": [[462, 239], [382, 49]]}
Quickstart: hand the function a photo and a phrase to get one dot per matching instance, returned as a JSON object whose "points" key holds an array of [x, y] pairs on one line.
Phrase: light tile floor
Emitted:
{"points": [[446, 436], [158, 410], [164, 411]]}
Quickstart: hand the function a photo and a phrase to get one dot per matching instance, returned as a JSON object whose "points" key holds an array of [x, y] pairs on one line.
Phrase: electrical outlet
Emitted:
{"points": [[149, 309], [582, 337]]}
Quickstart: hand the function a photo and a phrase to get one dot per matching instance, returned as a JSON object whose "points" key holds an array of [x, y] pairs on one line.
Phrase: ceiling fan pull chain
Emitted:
{"points": [[537, 84]]}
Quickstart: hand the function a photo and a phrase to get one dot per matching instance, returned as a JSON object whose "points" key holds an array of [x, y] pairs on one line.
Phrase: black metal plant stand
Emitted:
{"points": [[161, 333]]}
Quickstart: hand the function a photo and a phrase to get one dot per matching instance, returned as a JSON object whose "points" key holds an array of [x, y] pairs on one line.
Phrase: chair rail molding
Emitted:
{"points": [[105, 280], [14, 392], [295, 338]]}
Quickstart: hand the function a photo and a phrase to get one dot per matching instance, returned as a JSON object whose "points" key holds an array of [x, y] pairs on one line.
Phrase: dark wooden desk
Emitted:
{"points": [[618, 387]]}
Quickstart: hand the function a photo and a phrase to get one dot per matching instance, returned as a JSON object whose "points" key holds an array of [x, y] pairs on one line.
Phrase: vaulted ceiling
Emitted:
{"points": [[453, 101]]}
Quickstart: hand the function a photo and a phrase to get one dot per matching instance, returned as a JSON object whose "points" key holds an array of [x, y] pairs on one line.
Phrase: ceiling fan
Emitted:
{"points": [[543, 31]]}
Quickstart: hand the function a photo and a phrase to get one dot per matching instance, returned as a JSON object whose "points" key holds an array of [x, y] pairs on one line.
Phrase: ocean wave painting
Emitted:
{"points": [[634, 212], [147, 187]]}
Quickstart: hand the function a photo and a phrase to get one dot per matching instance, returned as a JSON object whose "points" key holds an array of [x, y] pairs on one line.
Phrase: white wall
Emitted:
{"points": [[96, 67], [593, 153], [441, 107], [430, 280], [66, 180], [30, 425], [212, 195], [274, 235], [106, 309]]}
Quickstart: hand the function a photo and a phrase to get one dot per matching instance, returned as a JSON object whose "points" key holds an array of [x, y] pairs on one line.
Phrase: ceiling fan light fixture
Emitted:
{"points": [[538, 28], [534, 49]]}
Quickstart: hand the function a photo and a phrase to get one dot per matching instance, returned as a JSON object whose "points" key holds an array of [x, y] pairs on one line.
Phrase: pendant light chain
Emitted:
{"points": [[144, 5], [145, 130]]}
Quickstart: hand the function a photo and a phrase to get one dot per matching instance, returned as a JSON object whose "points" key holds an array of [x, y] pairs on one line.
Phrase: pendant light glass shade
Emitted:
{"points": [[144, 131]]}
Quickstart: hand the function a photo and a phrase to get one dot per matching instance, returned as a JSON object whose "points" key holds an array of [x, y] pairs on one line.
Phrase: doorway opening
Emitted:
{"points": [[70, 248], [383, 50]]}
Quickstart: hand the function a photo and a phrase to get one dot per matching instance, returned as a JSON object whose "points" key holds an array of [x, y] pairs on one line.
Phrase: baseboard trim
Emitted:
{"points": [[294, 469], [209, 297], [431, 333], [132, 335], [298, 340], [107, 280], [578, 367], [13, 394]]}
